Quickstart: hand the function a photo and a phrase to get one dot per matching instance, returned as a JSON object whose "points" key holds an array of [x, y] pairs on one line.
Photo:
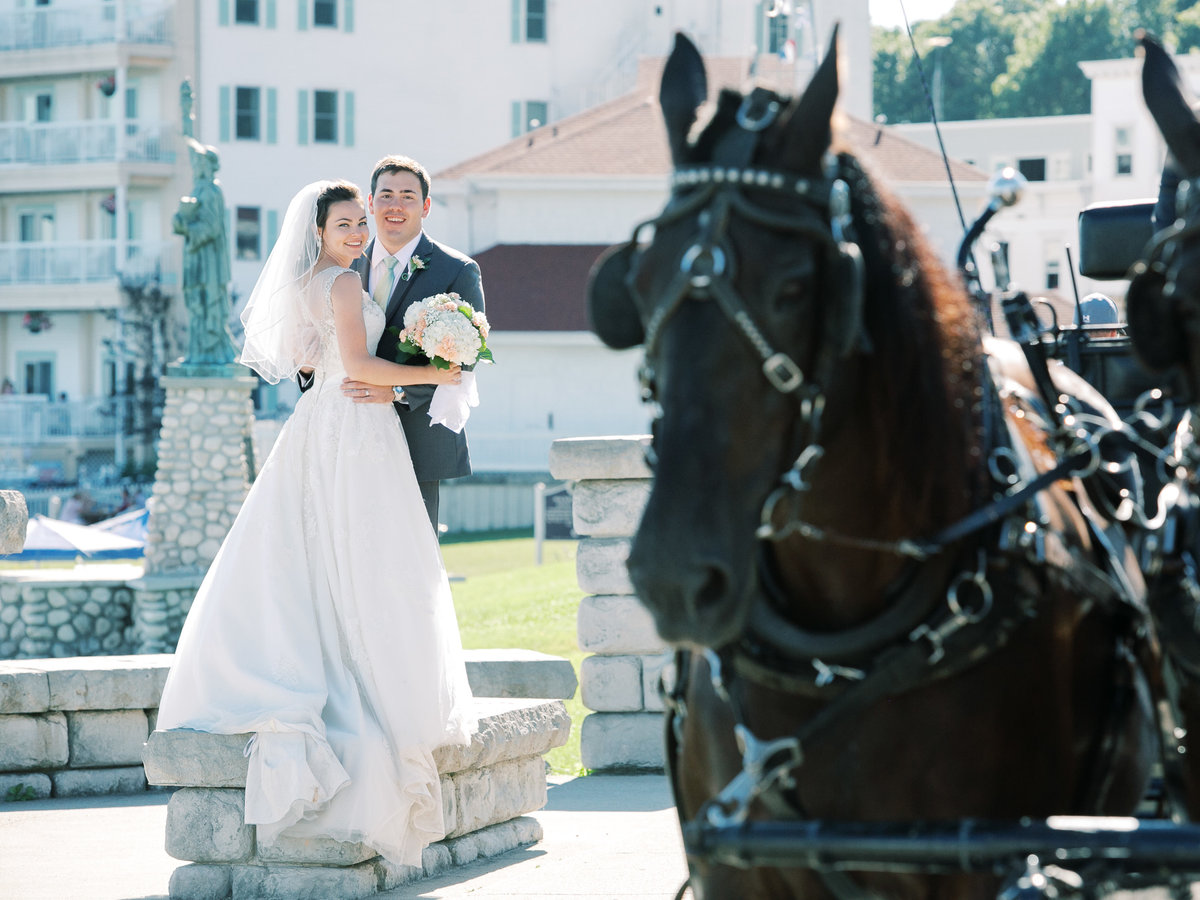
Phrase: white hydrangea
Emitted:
{"points": [[441, 329]]}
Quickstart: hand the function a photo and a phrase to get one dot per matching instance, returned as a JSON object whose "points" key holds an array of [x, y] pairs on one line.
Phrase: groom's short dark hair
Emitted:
{"points": [[401, 164]]}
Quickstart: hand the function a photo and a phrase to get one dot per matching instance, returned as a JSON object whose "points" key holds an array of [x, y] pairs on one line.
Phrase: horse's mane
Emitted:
{"points": [[927, 353]]}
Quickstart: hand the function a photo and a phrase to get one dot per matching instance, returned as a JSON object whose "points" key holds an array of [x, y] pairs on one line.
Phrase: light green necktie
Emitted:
{"points": [[383, 287]]}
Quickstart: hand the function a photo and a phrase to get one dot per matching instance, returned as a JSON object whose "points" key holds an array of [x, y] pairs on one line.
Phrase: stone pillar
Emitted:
{"points": [[203, 476], [619, 681], [14, 519]]}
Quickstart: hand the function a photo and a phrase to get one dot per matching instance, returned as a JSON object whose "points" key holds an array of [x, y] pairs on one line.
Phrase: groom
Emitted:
{"points": [[400, 266]]}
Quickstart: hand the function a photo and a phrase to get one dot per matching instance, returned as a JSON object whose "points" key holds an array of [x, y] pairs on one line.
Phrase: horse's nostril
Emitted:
{"points": [[712, 590]]}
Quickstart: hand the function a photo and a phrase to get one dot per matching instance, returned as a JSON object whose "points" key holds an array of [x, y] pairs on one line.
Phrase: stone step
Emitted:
{"points": [[508, 729], [136, 682], [487, 788]]}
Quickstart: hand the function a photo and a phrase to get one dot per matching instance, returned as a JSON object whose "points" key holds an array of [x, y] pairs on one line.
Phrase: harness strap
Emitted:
{"points": [[1024, 326], [959, 643]]}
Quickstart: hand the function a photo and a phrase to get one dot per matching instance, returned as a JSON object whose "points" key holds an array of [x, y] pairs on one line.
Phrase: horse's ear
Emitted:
{"points": [[810, 126], [1167, 99], [684, 88]]}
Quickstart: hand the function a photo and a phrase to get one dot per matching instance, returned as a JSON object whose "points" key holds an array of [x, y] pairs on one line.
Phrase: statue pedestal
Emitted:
{"points": [[204, 472]]}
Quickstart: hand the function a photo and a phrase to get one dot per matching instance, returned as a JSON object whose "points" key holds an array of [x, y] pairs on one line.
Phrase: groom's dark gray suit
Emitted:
{"points": [[437, 452]]}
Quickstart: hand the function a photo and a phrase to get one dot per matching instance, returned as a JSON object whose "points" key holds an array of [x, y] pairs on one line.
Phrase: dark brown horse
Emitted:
{"points": [[852, 530], [1163, 307], [1164, 300]]}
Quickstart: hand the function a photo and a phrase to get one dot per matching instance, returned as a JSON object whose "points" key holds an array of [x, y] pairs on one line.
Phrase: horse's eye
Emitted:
{"points": [[790, 292]]}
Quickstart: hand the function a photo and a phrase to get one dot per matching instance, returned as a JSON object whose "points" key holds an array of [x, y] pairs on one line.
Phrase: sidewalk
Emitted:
{"points": [[606, 836]]}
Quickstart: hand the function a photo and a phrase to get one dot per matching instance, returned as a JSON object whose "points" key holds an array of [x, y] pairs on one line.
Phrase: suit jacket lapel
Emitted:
{"points": [[401, 289], [363, 265]]}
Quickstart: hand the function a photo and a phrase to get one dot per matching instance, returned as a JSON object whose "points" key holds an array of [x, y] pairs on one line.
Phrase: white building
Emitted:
{"points": [[288, 92], [537, 211], [1115, 153], [89, 176]]}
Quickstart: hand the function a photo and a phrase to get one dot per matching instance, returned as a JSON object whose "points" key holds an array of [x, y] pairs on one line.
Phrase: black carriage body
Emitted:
{"points": [[1112, 237]]}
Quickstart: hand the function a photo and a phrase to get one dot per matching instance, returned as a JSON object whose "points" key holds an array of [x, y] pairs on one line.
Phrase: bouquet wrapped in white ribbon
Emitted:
{"points": [[450, 333]]}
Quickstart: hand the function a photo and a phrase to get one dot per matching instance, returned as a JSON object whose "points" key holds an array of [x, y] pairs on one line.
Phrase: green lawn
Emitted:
{"points": [[505, 599]]}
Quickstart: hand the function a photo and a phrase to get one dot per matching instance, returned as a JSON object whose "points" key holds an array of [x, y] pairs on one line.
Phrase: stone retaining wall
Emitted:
{"points": [[620, 679], [76, 727]]}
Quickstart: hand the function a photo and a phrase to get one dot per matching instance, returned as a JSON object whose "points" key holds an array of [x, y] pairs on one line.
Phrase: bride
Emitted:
{"points": [[325, 624]]}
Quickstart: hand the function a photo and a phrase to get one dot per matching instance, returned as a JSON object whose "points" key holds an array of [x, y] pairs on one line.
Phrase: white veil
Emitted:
{"points": [[281, 334]]}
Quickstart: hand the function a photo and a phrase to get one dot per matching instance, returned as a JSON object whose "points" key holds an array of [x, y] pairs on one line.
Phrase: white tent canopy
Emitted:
{"points": [[47, 538]]}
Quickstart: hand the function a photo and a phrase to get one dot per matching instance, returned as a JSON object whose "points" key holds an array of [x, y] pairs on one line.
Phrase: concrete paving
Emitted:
{"points": [[606, 836]]}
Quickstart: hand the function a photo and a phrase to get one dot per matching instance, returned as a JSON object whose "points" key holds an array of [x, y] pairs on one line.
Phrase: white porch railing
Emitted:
{"points": [[56, 143], [74, 262], [94, 23]]}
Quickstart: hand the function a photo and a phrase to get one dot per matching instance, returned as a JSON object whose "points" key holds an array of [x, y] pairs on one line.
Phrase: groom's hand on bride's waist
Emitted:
{"points": [[361, 392]]}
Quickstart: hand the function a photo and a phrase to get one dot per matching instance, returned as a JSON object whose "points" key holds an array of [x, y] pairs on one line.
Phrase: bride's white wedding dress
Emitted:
{"points": [[325, 626]]}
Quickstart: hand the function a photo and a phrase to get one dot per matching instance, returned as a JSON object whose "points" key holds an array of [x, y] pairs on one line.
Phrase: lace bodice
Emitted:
{"points": [[329, 363]]}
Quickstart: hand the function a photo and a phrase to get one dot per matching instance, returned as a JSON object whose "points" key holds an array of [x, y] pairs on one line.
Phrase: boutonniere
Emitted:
{"points": [[415, 264]]}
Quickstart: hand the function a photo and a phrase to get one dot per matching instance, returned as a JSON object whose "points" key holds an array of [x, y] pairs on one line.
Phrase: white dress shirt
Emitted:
{"points": [[379, 254]]}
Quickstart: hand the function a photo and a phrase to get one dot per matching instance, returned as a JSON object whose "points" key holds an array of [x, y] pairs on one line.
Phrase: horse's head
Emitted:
{"points": [[749, 299], [1163, 303]]}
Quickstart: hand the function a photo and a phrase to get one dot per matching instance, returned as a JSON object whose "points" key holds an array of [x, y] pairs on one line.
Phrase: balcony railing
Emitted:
{"points": [[58, 143], [73, 26], [72, 262], [30, 419]]}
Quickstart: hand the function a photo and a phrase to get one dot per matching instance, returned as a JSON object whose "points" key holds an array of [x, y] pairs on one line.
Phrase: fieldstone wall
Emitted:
{"points": [[58, 614], [619, 680]]}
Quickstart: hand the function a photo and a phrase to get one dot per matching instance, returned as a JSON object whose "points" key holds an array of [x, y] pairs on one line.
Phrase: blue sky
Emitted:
{"points": [[887, 13]]}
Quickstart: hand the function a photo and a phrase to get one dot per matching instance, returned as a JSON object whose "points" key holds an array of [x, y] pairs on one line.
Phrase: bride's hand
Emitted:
{"points": [[452, 375]]}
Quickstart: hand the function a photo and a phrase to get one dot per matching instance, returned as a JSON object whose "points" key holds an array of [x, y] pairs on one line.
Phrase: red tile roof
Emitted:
{"points": [[541, 287], [625, 137], [537, 287]]}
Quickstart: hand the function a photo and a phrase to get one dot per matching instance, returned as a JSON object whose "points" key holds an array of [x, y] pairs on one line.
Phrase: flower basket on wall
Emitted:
{"points": [[36, 321]]}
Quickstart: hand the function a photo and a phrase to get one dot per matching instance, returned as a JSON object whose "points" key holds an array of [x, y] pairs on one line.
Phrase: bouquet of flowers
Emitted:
{"points": [[446, 330], [450, 333]]}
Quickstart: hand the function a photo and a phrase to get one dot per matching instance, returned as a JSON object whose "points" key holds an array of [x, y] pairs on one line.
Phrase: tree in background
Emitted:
{"points": [[1016, 58], [143, 341], [1043, 76]]}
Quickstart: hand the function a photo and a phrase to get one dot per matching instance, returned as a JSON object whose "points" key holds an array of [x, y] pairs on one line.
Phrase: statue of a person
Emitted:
{"points": [[185, 107], [201, 220]]}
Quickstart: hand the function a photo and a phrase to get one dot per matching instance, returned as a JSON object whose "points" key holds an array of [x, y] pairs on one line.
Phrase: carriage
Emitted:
{"points": [[936, 618]]}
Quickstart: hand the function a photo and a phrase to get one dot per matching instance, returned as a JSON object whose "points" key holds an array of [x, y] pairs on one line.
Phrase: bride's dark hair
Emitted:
{"points": [[335, 192]]}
